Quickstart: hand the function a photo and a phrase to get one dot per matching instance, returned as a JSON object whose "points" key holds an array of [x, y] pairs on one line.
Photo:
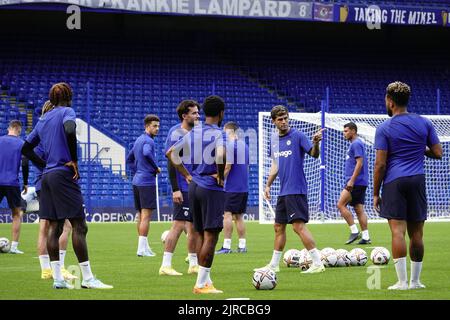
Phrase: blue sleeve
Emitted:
{"points": [[381, 140], [149, 153], [33, 138], [130, 162], [432, 138], [69, 115], [358, 150], [304, 142]]}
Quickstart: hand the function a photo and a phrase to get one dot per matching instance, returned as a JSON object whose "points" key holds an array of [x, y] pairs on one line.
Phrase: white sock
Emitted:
{"points": [[353, 228], [208, 279], [62, 256], [167, 259], [276, 256], [242, 243], [14, 245], [365, 235], [202, 276], [193, 260], [142, 244], [400, 267], [416, 268], [227, 243], [315, 256], [44, 260], [86, 270], [56, 268]]}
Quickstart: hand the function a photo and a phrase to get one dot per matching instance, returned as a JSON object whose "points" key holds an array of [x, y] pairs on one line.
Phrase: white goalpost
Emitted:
{"points": [[324, 192]]}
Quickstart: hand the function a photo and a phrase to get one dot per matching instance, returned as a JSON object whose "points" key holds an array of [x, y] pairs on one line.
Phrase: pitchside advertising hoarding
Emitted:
{"points": [[118, 214]]}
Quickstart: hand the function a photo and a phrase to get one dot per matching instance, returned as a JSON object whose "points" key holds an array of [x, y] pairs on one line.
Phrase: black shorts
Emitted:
{"points": [[38, 196], [405, 199], [358, 195], [292, 207], [144, 197], [12, 195], [236, 202], [181, 212], [60, 197], [206, 207]]}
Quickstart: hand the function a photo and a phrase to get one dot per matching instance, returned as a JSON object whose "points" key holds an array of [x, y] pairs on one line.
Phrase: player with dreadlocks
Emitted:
{"points": [[60, 193]]}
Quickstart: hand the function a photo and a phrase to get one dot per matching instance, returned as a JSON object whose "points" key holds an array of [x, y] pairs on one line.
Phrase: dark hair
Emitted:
{"points": [[149, 118], [231, 125], [185, 105], [213, 105], [399, 92], [13, 124], [351, 126], [278, 111], [60, 93]]}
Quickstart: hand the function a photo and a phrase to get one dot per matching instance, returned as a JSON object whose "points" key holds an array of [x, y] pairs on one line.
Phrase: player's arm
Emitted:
{"points": [[272, 176], [356, 172], [177, 196], [173, 155], [315, 150], [70, 127], [435, 152], [378, 176], [28, 149], [227, 170], [149, 155], [221, 158], [25, 173], [130, 162]]}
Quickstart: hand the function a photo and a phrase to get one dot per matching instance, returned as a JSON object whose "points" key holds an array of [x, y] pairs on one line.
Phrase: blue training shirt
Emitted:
{"points": [[200, 145], [356, 150], [143, 155], [289, 153], [175, 134], [405, 138], [10, 158], [49, 132], [238, 155]]}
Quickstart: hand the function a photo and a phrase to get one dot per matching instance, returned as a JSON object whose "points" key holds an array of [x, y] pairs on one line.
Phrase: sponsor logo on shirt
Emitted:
{"points": [[284, 154]]}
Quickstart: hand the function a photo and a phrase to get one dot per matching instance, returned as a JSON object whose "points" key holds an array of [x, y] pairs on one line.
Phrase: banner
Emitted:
{"points": [[393, 15], [232, 8]]}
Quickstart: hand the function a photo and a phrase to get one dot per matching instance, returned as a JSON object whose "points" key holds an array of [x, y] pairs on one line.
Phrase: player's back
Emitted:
{"points": [[405, 137], [10, 156], [237, 179]]}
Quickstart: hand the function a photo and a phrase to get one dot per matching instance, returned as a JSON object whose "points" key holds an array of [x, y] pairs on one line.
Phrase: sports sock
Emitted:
{"points": [[276, 256], [227, 243], [315, 256], [242, 243], [14, 245], [62, 256], [202, 276], [86, 270], [56, 268], [353, 228], [142, 244], [400, 268], [167, 259], [44, 260], [416, 268], [365, 235], [193, 260]]}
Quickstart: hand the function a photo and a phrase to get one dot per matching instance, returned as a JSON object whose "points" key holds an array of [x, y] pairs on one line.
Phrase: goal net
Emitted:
{"points": [[322, 197]]}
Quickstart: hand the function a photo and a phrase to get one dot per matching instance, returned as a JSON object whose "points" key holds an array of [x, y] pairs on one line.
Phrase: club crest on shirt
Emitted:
{"points": [[288, 142]]}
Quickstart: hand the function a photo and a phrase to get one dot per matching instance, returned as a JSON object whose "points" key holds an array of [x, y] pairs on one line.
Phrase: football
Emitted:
{"points": [[5, 245], [328, 257], [380, 255], [305, 260], [264, 279], [342, 258], [164, 236], [291, 258], [357, 257]]}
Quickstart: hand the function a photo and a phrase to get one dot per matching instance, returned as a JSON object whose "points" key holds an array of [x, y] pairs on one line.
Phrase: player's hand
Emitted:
{"points": [[158, 171], [317, 137], [177, 197], [74, 166], [219, 181], [267, 193], [25, 190], [377, 203], [188, 179], [349, 186]]}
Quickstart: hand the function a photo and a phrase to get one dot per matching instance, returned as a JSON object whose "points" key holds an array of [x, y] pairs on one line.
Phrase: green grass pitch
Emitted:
{"points": [[112, 251]]}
